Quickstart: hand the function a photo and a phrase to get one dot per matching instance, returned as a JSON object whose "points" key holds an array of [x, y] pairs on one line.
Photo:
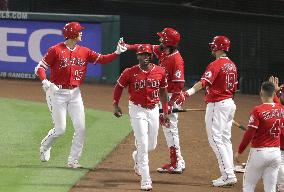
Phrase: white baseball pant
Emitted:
{"points": [[63, 101], [280, 179], [145, 125], [171, 133], [262, 162], [218, 119]]}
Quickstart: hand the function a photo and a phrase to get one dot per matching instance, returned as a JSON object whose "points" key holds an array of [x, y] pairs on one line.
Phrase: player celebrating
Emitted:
{"points": [[170, 59], [68, 64], [146, 85], [279, 98], [264, 129], [220, 81]]}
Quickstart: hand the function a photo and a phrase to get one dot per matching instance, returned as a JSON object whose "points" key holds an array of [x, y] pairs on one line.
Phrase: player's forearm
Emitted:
{"points": [[104, 59], [164, 99], [41, 73], [133, 47], [196, 87], [248, 135], [117, 94]]}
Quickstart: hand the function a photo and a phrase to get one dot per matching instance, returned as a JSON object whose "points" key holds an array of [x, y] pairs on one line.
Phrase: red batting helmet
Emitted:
{"points": [[170, 36], [220, 43], [144, 48], [71, 30]]}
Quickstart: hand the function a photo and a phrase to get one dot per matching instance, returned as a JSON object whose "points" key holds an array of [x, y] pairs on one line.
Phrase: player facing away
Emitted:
{"points": [[68, 64], [220, 81], [171, 60], [146, 87], [264, 129], [279, 98]]}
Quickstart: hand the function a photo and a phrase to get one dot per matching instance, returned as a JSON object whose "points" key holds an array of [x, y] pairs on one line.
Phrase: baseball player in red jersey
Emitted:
{"points": [[146, 85], [220, 81], [170, 59], [264, 129], [68, 64], [279, 98]]}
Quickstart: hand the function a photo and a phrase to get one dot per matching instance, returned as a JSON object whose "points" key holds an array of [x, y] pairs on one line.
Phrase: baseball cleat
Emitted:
{"points": [[227, 183], [136, 167], [75, 165], [181, 163], [147, 186], [240, 168], [168, 168], [44, 155]]}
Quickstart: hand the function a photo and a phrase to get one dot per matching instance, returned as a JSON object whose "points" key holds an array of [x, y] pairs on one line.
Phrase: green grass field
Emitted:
{"points": [[24, 124]]}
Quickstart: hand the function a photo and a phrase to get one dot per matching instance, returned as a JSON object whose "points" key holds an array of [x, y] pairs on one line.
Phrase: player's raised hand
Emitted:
{"points": [[275, 81], [120, 48], [117, 111]]}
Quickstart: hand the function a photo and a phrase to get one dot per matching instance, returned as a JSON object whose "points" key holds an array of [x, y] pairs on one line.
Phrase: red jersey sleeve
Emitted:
{"points": [[209, 75], [178, 70], [49, 57], [156, 50], [248, 135], [276, 99], [123, 80], [94, 57], [164, 82], [254, 119]]}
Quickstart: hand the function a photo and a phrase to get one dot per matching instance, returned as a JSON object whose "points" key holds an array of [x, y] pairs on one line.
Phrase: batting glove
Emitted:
{"points": [[120, 48], [164, 120], [181, 98], [46, 84]]}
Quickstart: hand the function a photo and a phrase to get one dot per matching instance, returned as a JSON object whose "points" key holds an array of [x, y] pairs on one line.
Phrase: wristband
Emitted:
{"points": [[191, 91]]}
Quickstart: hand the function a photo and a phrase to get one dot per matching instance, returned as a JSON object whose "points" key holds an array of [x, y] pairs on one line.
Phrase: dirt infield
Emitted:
{"points": [[115, 173]]}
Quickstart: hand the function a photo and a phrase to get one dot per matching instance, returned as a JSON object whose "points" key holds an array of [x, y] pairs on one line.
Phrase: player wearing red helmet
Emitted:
{"points": [[146, 85], [220, 81], [170, 59], [68, 64]]}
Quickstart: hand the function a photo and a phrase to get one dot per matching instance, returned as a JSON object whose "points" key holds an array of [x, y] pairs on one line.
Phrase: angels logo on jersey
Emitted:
{"points": [[208, 74], [251, 119], [178, 74]]}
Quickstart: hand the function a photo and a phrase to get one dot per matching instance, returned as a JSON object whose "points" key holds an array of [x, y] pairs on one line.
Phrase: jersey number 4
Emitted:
{"points": [[276, 128]]}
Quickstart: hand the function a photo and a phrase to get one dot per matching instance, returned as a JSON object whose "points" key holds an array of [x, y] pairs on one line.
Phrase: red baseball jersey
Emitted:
{"points": [[276, 100], [268, 119], [220, 80], [173, 65], [143, 86], [68, 67]]}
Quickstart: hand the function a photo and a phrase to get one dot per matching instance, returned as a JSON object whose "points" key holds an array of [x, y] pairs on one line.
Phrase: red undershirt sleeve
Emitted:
{"points": [[248, 135]]}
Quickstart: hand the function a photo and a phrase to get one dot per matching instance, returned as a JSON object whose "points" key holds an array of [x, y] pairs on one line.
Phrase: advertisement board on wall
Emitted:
{"points": [[23, 43]]}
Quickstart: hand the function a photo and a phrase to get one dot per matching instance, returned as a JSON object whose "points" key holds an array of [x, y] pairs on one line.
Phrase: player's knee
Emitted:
{"points": [[60, 130]]}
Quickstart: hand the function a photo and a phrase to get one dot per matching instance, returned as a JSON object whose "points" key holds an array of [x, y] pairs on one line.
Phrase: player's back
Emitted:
{"points": [[223, 77], [268, 119]]}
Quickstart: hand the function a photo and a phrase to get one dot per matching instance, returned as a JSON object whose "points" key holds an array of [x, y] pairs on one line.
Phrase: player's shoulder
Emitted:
{"points": [[57, 46], [158, 68], [132, 68], [83, 48], [258, 108]]}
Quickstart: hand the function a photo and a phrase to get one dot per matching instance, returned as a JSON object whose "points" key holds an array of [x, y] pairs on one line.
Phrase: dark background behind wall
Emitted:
{"points": [[257, 39]]}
